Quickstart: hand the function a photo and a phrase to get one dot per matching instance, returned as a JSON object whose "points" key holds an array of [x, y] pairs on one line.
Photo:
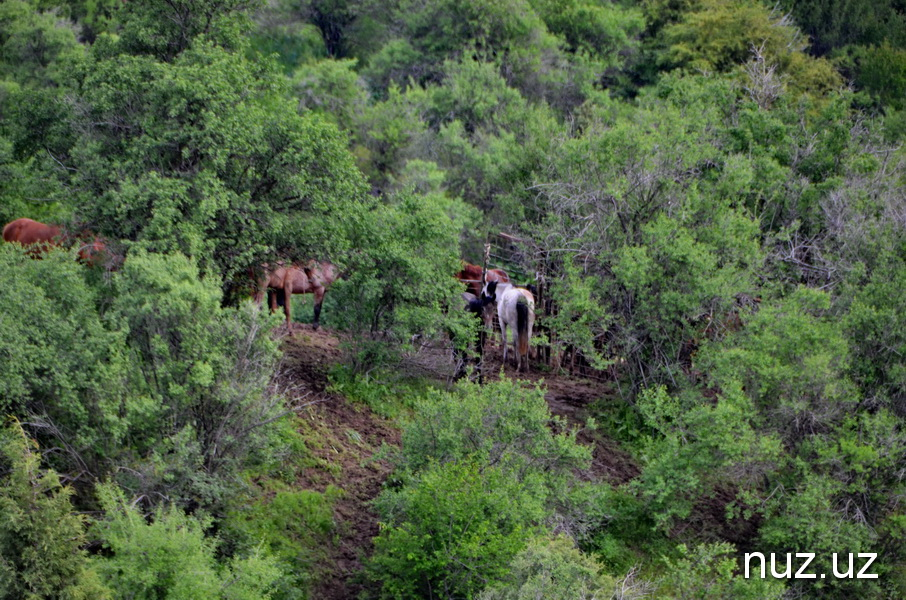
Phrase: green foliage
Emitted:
{"points": [[95, 16], [200, 403], [185, 171], [790, 359], [165, 29], [36, 48], [833, 24], [806, 519], [480, 471], [452, 531], [877, 333], [388, 393], [294, 527], [721, 34], [439, 30], [331, 87], [602, 30], [580, 320], [294, 43], [680, 273], [170, 556], [882, 71], [41, 538], [709, 572], [502, 424], [729, 242], [64, 367], [700, 447], [554, 569], [397, 284], [21, 182]]}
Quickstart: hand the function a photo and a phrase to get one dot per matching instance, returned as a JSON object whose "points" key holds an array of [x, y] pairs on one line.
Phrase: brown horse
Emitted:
{"points": [[298, 278], [40, 238], [471, 276]]}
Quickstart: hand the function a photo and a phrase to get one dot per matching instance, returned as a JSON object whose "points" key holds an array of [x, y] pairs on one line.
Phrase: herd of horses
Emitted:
{"points": [[489, 291]]}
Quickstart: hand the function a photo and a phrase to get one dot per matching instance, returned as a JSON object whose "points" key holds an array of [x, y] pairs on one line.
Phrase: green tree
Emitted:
{"points": [[401, 277], [36, 48], [882, 71], [791, 359], [503, 424], [480, 472], [41, 538], [209, 160], [699, 447], [200, 372], [602, 30], [165, 29], [833, 24], [709, 572], [65, 369], [721, 34]]}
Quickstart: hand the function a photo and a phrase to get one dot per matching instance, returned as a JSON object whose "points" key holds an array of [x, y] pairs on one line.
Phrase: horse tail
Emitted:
{"points": [[522, 317]]}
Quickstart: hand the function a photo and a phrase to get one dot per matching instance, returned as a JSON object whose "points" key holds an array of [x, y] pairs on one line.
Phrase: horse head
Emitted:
{"points": [[489, 293], [92, 252]]}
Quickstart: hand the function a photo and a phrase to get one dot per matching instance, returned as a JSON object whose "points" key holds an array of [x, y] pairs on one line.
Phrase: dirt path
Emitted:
{"points": [[346, 437]]}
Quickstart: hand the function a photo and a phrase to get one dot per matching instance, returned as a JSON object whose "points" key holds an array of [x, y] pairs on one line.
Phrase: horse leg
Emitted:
{"points": [[319, 298], [272, 297], [287, 305]]}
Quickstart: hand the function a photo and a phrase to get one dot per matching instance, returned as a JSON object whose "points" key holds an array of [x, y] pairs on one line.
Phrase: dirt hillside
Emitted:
{"points": [[350, 434]]}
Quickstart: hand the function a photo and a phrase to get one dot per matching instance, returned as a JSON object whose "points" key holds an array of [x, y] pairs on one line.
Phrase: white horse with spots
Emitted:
{"points": [[516, 309]]}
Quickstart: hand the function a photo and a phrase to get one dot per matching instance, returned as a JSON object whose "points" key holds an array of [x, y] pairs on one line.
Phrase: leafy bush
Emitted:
{"points": [[701, 445], [401, 277], [199, 406], [41, 539], [503, 424], [211, 159], [64, 367], [452, 530], [480, 471], [709, 572], [170, 557], [553, 569], [791, 360]]}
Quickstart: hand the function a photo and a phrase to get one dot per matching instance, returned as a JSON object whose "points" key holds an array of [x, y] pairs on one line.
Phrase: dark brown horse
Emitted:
{"points": [[39, 238], [298, 278]]}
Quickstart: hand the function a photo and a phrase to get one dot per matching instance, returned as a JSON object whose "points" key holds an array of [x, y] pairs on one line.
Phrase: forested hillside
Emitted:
{"points": [[707, 196]]}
